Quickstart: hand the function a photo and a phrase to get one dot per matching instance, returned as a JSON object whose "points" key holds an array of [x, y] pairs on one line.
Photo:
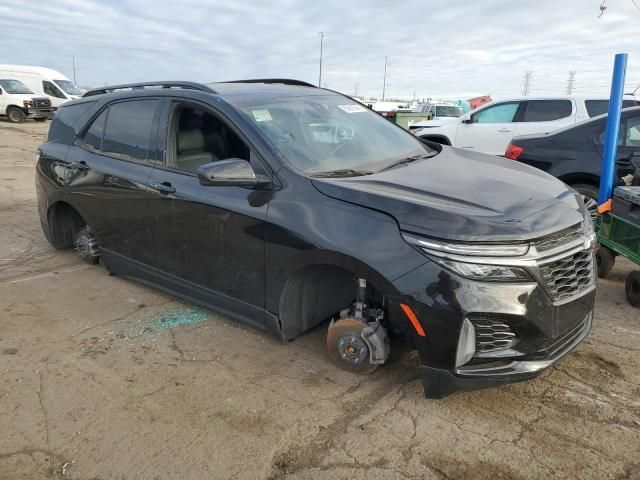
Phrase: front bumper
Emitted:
{"points": [[39, 112], [520, 328], [439, 383]]}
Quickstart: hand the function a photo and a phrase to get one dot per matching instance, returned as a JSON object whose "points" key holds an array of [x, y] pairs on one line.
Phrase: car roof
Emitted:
{"points": [[627, 96], [231, 92], [237, 92]]}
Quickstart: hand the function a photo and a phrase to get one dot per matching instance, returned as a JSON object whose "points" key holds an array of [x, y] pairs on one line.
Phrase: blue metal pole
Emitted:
{"points": [[608, 171]]}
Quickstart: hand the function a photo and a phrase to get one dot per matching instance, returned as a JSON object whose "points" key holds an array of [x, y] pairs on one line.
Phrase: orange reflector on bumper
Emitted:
{"points": [[413, 319]]}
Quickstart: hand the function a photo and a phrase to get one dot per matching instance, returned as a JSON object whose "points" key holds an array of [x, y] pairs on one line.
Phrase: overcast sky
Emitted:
{"points": [[437, 48]]}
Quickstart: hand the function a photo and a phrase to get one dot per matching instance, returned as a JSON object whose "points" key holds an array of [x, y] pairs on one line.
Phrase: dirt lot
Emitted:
{"points": [[103, 378]]}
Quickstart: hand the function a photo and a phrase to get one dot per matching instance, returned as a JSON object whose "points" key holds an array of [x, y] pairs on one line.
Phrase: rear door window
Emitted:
{"points": [[547, 110], [128, 128], [61, 129], [501, 113]]}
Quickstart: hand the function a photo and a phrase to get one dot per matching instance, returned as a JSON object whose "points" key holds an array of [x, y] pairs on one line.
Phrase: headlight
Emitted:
{"points": [[479, 267], [489, 273], [27, 103], [439, 248]]}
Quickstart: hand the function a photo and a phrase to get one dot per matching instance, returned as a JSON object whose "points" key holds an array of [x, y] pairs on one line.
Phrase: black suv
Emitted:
{"points": [[284, 205]]}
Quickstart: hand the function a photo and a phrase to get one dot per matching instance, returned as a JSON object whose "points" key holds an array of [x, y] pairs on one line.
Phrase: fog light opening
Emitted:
{"points": [[466, 343]]}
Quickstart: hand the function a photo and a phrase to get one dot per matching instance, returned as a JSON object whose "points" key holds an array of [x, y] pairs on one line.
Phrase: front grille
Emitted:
{"points": [[42, 103], [568, 276], [492, 334], [559, 238]]}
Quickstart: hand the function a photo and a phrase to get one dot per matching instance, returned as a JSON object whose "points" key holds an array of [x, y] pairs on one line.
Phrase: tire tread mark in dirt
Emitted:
{"points": [[44, 411]]}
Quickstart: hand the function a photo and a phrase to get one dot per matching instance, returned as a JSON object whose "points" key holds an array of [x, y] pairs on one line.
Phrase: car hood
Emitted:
{"points": [[439, 122], [465, 196], [19, 97]]}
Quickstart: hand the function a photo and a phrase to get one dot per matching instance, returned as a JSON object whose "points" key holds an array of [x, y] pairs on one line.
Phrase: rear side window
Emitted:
{"points": [[598, 107], [547, 110], [61, 129], [93, 137]]}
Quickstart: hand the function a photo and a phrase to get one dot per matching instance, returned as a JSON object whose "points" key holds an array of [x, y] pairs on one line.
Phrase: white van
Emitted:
{"points": [[18, 103], [43, 81]]}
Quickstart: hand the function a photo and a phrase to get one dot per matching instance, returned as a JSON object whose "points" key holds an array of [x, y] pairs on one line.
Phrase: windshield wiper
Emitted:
{"points": [[345, 172], [406, 161]]}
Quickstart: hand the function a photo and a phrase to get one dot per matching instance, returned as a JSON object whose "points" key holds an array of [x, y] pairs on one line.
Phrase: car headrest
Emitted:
{"points": [[192, 139]]}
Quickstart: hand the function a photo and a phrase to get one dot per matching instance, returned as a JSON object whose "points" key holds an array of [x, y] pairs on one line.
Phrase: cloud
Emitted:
{"points": [[446, 48]]}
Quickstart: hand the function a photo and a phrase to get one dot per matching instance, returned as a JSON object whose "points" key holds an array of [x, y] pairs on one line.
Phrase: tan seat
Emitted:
{"points": [[191, 151]]}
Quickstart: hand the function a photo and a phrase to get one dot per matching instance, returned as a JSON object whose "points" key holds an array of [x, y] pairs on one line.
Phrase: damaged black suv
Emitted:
{"points": [[284, 205]]}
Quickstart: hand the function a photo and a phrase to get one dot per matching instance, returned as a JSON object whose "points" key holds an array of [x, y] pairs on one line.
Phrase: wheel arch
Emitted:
{"points": [[436, 138], [321, 286], [580, 178], [13, 105], [63, 222]]}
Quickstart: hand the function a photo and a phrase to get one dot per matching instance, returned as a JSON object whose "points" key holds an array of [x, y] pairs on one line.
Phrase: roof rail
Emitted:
{"points": [[143, 85], [283, 81]]}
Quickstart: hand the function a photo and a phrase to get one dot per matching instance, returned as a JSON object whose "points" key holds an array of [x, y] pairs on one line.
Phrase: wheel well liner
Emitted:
{"points": [[63, 222], [321, 287], [441, 139], [311, 295], [576, 178]]}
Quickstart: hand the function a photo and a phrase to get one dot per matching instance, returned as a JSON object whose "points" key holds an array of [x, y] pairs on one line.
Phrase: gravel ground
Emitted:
{"points": [[103, 378]]}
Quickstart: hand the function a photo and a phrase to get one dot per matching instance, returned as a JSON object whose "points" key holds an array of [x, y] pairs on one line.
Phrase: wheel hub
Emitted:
{"points": [[353, 349]]}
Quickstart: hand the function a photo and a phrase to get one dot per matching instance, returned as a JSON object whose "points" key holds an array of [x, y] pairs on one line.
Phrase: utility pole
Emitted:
{"points": [[73, 61], [527, 83], [572, 76], [384, 82], [321, 35]]}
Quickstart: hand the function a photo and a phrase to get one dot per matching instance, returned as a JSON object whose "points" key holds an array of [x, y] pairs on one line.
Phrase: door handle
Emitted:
{"points": [[164, 187], [505, 130]]}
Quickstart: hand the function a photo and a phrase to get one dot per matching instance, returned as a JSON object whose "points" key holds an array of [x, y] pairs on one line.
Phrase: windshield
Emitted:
{"points": [[447, 111], [14, 86], [68, 87], [319, 134]]}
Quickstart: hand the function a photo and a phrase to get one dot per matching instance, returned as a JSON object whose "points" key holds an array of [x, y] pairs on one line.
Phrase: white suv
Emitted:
{"points": [[491, 127]]}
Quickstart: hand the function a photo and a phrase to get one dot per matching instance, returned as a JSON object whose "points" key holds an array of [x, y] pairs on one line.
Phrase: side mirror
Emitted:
{"points": [[466, 118], [231, 172]]}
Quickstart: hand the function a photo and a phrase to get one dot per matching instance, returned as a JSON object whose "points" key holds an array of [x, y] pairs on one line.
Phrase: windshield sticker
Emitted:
{"points": [[261, 115], [352, 108]]}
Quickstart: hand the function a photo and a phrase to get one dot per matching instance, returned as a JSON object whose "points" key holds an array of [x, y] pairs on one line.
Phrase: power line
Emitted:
{"points": [[572, 75], [384, 82], [321, 35], [526, 82]]}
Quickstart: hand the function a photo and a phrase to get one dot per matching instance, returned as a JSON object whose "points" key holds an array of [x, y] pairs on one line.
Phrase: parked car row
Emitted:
{"points": [[490, 128], [574, 154]]}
